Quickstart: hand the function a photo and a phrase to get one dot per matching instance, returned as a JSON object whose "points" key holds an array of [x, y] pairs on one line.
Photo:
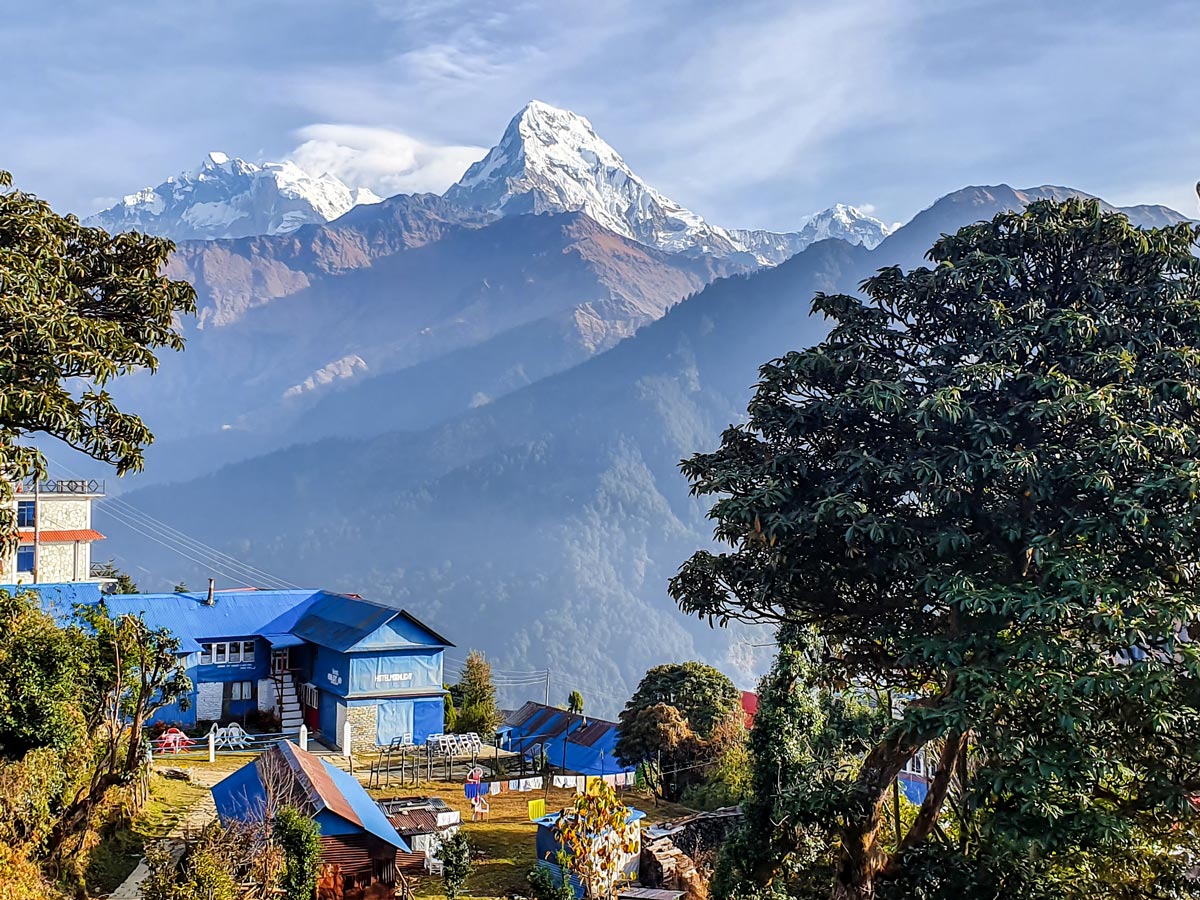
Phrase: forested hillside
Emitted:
{"points": [[543, 527]]}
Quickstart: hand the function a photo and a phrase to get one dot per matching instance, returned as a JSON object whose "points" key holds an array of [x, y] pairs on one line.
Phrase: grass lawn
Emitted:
{"points": [[118, 853], [504, 844]]}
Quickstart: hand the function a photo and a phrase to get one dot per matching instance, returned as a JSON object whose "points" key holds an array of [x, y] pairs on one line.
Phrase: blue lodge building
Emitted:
{"points": [[311, 657]]}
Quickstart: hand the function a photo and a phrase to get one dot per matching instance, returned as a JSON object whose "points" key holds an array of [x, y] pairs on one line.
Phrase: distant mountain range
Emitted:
{"points": [[288, 314], [551, 160], [475, 403], [538, 519], [231, 198]]}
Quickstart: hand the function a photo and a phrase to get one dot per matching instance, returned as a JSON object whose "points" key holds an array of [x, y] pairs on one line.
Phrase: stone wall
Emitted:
{"points": [[64, 562], [364, 723], [61, 514]]}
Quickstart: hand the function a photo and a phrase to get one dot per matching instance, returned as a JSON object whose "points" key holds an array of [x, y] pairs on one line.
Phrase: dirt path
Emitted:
{"points": [[197, 816]]}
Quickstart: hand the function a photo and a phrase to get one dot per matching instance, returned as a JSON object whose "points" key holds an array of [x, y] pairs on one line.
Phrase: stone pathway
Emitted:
{"points": [[197, 816]]}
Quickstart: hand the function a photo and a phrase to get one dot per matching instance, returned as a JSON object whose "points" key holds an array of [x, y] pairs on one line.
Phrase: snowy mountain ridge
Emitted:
{"points": [[229, 198], [552, 160]]}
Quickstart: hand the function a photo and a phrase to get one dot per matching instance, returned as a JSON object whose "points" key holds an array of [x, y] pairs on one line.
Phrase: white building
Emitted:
{"points": [[54, 522]]}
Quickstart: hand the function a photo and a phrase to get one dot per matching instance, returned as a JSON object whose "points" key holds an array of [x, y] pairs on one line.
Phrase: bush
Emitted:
{"points": [[456, 861], [300, 838], [545, 885]]}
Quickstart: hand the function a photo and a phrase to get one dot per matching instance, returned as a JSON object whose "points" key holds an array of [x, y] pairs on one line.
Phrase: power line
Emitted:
{"points": [[203, 563], [217, 560], [227, 567]]}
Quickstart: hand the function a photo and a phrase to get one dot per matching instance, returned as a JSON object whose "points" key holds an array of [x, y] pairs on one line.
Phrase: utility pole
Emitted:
{"points": [[547, 687], [37, 525]]}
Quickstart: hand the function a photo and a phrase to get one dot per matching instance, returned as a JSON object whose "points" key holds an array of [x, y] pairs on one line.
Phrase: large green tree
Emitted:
{"points": [[674, 723], [982, 489], [78, 307]]}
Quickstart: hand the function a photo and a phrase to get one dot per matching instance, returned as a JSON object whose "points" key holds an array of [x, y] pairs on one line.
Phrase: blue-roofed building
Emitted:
{"points": [[572, 743], [359, 846], [59, 599], [310, 656]]}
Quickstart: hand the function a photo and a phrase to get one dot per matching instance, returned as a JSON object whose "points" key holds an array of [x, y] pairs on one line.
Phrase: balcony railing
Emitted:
{"points": [[77, 486]]}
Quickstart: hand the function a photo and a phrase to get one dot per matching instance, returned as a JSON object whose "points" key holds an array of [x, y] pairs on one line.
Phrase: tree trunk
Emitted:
{"points": [[862, 857], [936, 795]]}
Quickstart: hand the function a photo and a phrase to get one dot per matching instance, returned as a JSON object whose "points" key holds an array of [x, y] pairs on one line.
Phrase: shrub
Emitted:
{"points": [[456, 861]]}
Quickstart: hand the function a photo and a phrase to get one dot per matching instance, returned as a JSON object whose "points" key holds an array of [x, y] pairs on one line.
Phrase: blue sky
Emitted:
{"points": [[751, 113]]}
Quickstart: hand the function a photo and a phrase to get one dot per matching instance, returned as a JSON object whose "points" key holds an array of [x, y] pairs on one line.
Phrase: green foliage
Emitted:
{"points": [[78, 307], [982, 488], [449, 713], [43, 672], [575, 703], [703, 695], [208, 871], [455, 854], [477, 710], [545, 885], [180, 588], [300, 838], [681, 719], [122, 584], [804, 739]]}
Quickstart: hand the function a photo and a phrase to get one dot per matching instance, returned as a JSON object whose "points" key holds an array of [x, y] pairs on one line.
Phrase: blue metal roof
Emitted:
{"points": [[60, 598], [330, 791], [573, 743], [233, 613], [369, 813], [345, 623]]}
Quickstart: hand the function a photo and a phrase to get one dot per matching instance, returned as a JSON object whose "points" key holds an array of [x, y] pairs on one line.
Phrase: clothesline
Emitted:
{"points": [[578, 783]]}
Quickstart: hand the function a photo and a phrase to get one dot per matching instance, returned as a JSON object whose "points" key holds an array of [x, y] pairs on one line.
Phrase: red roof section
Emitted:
{"points": [[327, 793], [749, 706], [68, 536]]}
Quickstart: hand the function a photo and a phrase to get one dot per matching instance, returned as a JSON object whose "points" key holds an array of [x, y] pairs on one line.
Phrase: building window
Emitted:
{"points": [[26, 513], [240, 690], [25, 559], [227, 652]]}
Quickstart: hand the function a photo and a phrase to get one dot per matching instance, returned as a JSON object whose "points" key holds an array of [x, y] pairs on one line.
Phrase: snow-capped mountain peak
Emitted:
{"points": [[228, 197], [552, 160]]}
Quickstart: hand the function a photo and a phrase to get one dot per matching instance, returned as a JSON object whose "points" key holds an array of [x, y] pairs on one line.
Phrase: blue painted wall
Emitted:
{"points": [[327, 715]]}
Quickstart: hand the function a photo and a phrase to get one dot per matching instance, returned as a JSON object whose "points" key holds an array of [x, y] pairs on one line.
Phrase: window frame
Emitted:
{"points": [[248, 651], [206, 654], [27, 551], [30, 506]]}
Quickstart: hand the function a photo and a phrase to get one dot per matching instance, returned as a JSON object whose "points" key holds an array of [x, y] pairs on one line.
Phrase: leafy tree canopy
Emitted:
{"points": [[982, 489], [78, 307], [43, 674]]}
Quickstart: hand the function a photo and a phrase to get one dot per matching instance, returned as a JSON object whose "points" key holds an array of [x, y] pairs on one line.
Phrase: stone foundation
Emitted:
{"points": [[364, 734]]}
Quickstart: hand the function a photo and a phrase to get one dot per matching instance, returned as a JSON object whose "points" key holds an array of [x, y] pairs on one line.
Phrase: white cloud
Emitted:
{"points": [[388, 162]]}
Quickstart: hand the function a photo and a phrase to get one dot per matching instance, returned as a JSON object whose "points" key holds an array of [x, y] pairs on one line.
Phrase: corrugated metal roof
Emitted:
{"points": [[325, 786], [339, 622], [414, 821], [233, 613], [588, 749], [62, 536], [59, 598]]}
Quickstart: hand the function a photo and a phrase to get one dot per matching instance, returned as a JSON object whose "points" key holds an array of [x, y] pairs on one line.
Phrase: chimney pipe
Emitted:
{"points": [[210, 600]]}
